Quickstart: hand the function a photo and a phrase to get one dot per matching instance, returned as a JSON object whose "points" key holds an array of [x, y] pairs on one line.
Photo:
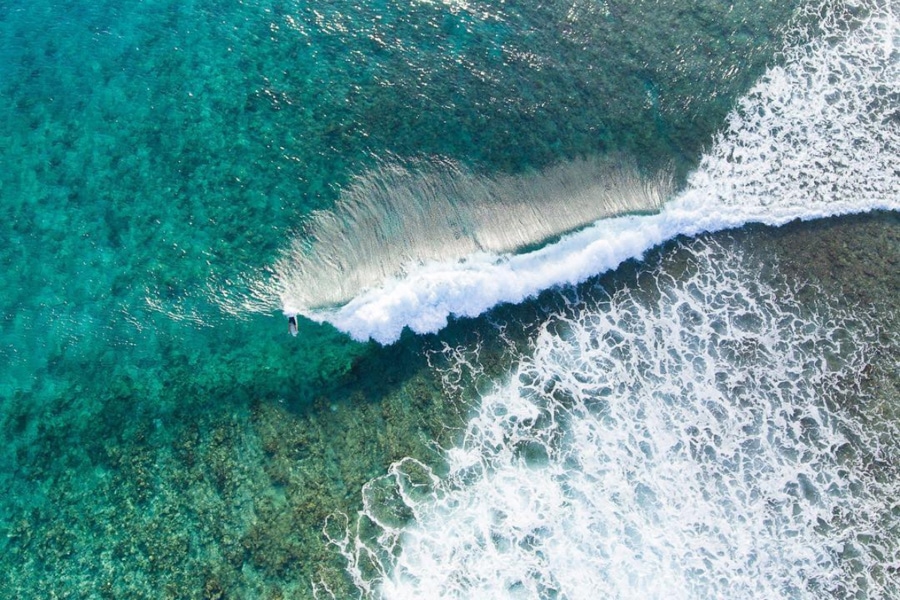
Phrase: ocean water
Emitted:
{"points": [[684, 402]]}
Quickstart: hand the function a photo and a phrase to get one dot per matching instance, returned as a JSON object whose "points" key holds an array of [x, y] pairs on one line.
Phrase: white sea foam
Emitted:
{"points": [[682, 440], [818, 136]]}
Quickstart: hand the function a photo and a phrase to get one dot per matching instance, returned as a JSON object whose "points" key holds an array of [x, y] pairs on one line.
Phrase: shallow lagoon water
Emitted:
{"points": [[153, 155]]}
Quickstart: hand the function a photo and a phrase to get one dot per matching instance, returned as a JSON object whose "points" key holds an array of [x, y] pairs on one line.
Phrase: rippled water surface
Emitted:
{"points": [[652, 409]]}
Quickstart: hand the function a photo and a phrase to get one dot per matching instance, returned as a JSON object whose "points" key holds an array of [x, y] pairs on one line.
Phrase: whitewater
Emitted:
{"points": [[704, 436], [817, 136]]}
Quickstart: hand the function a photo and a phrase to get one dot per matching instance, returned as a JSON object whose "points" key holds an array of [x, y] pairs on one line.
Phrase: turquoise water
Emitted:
{"points": [[155, 155]]}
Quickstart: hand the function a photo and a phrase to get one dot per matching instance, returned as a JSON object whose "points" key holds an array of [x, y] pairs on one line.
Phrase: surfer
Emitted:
{"points": [[292, 325]]}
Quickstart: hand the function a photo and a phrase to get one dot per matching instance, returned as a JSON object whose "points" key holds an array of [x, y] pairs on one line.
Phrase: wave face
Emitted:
{"points": [[815, 137], [690, 438], [397, 217]]}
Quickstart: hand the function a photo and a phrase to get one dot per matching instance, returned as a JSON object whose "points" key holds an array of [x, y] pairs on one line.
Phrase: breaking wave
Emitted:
{"points": [[396, 218], [818, 136]]}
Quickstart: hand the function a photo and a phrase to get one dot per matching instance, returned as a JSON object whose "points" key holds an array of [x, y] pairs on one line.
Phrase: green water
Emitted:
{"points": [[152, 153]]}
